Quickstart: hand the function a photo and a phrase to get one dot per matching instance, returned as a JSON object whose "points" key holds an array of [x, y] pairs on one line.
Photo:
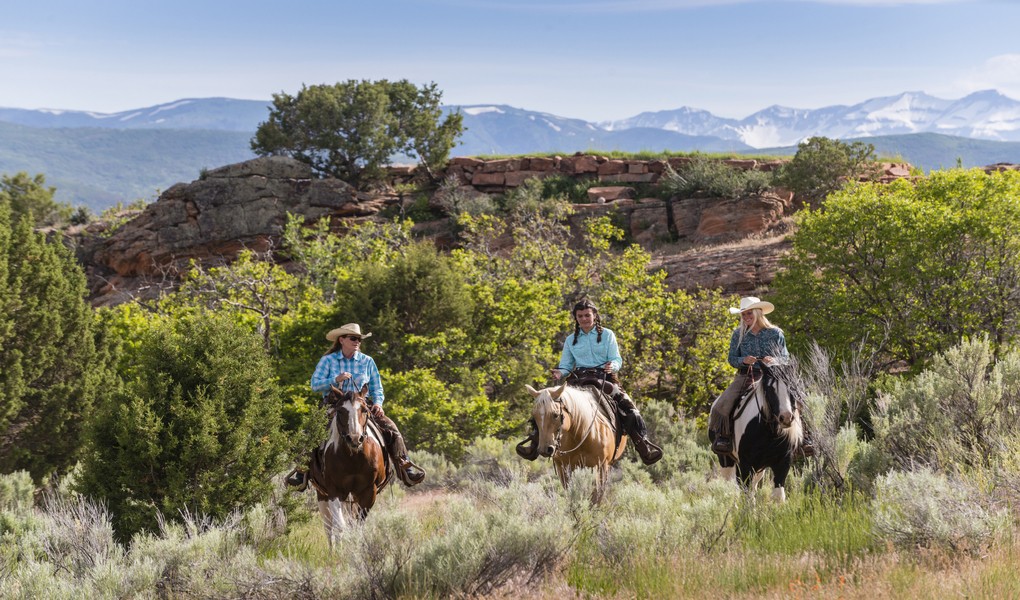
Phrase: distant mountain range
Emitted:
{"points": [[99, 159]]}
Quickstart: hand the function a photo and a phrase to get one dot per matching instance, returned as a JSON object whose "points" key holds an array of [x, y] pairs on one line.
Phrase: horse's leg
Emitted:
{"points": [[329, 518], [365, 500], [779, 473]]}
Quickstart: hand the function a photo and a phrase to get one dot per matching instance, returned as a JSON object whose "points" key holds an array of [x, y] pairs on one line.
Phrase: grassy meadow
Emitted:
{"points": [[499, 527]]}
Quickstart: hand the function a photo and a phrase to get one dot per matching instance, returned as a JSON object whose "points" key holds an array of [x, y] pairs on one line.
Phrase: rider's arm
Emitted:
{"points": [[325, 374], [735, 359], [375, 390], [567, 361], [613, 351]]}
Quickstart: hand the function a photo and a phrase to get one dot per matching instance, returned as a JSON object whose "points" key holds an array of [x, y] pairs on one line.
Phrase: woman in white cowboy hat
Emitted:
{"points": [[754, 342], [345, 366]]}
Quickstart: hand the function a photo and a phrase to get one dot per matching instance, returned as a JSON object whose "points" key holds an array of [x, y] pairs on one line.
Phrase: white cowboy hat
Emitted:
{"points": [[348, 329], [750, 302]]}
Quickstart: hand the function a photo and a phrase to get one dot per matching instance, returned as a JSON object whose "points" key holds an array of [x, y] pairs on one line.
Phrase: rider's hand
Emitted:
{"points": [[342, 377], [768, 360], [608, 367], [555, 374], [377, 410], [750, 360]]}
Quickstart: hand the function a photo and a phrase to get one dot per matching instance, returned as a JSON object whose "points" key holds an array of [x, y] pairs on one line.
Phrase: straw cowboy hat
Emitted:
{"points": [[348, 329], [750, 302]]}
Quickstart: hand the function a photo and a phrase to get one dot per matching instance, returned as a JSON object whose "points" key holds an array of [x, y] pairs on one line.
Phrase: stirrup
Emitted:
{"points": [[410, 473], [722, 444], [297, 480], [529, 452], [649, 452]]}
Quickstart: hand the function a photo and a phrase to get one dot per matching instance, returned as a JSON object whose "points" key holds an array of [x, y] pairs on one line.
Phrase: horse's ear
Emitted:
{"points": [[556, 393], [364, 390], [335, 389], [534, 393]]}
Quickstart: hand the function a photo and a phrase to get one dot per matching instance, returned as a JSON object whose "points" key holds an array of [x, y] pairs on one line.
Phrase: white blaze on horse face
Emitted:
{"points": [[354, 430], [785, 406]]}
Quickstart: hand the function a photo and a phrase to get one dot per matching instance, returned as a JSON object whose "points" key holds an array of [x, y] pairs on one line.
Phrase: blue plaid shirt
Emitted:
{"points": [[361, 367], [590, 353], [767, 342]]}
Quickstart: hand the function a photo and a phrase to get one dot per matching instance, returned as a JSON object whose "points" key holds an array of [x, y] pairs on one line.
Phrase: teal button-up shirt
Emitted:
{"points": [[589, 353]]}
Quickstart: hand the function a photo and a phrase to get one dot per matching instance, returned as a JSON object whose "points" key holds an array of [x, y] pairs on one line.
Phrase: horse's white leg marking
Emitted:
{"points": [[327, 521], [779, 494]]}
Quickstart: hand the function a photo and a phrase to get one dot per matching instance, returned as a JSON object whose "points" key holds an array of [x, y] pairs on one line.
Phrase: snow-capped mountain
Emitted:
{"points": [[984, 115], [218, 114]]}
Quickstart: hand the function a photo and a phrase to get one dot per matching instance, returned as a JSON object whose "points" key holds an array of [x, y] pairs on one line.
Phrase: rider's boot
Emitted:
{"points": [[722, 443], [637, 430], [408, 472], [298, 480], [528, 449]]}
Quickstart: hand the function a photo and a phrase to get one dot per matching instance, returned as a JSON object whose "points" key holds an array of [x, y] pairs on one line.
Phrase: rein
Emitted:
{"points": [[587, 434]]}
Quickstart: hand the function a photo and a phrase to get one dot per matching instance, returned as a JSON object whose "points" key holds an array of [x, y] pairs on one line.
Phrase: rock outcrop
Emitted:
{"points": [[245, 206], [211, 220]]}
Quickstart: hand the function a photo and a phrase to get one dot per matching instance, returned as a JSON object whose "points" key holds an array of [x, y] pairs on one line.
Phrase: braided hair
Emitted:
{"points": [[582, 305]]}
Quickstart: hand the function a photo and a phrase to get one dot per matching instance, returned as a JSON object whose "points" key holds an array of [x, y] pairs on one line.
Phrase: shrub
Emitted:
{"points": [[928, 509], [197, 428]]}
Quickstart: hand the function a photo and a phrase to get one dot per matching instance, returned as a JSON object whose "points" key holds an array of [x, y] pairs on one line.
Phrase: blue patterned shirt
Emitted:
{"points": [[361, 367], [589, 353], [767, 342]]}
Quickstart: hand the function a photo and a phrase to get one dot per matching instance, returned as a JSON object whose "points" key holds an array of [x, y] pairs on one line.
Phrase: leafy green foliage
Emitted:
{"points": [[957, 414], [822, 166], [29, 196], [705, 177], [910, 269], [351, 130], [196, 428], [51, 371]]}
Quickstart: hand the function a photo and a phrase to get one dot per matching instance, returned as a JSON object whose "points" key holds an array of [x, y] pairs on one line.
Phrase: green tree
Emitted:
{"points": [[351, 130], [909, 268], [822, 166], [50, 369], [29, 195], [197, 426]]}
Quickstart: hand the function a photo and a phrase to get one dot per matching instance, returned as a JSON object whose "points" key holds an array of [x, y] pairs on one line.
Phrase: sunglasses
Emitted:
{"points": [[353, 338]]}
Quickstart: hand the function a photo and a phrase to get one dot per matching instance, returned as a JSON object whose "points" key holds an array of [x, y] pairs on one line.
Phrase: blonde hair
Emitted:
{"points": [[759, 319]]}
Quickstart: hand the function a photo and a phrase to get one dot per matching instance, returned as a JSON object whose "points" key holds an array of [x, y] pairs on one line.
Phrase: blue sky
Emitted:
{"points": [[595, 60]]}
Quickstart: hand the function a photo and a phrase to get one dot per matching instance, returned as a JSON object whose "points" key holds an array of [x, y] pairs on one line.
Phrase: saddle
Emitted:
{"points": [[607, 406]]}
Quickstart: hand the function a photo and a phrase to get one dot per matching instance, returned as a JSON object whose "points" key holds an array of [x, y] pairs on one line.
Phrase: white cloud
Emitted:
{"points": [[998, 72]]}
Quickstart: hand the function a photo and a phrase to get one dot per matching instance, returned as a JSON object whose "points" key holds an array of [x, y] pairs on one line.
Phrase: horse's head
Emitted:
{"points": [[551, 418], [778, 398], [350, 415]]}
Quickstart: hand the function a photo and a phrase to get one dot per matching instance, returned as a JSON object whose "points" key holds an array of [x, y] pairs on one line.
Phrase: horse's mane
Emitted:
{"points": [[573, 399]]}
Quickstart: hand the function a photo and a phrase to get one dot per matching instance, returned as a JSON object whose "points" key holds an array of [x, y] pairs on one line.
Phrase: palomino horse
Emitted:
{"points": [[767, 428], [575, 433], [351, 462]]}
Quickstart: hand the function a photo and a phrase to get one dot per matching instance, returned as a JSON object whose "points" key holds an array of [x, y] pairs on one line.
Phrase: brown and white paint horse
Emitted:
{"points": [[350, 464]]}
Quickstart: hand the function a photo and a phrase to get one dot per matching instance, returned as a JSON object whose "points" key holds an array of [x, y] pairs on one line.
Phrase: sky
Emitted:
{"points": [[597, 60]]}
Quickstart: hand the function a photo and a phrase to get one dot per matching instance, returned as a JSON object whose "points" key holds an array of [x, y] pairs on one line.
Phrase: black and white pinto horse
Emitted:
{"points": [[767, 428]]}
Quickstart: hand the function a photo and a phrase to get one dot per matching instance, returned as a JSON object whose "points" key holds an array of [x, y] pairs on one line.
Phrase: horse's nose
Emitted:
{"points": [[352, 441], [786, 419], [547, 451]]}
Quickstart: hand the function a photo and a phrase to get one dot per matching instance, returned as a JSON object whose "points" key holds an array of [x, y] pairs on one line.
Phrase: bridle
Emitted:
{"points": [[334, 412], [559, 429]]}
